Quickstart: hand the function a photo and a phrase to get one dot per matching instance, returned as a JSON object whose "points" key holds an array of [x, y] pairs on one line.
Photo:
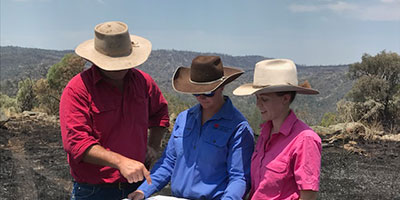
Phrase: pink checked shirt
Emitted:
{"points": [[286, 163]]}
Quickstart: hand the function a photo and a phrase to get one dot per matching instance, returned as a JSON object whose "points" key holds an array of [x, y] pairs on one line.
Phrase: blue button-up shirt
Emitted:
{"points": [[209, 161]]}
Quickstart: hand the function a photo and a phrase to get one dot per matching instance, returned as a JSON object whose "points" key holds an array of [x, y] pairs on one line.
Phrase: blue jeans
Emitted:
{"points": [[82, 191]]}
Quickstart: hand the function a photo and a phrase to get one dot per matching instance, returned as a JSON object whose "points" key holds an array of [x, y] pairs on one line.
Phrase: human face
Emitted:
{"points": [[272, 106], [210, 101], [115, 75]]}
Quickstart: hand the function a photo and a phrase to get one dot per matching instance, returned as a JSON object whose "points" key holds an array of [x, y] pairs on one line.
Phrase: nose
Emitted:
{"points": [[201, 97]]}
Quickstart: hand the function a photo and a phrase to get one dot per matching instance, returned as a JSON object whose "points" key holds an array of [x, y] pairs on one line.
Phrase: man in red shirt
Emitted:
{"points": [[106, 113]]}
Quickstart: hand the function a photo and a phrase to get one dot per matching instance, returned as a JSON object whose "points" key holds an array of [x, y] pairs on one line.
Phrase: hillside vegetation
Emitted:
{"points": [[18, 63]]}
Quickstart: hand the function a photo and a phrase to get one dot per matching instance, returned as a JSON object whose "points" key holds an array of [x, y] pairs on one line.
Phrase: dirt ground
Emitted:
{"points": [[33, 165]]}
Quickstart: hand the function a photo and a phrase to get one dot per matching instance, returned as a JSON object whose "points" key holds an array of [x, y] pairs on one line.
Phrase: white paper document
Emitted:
{"points": [[162, 197]]}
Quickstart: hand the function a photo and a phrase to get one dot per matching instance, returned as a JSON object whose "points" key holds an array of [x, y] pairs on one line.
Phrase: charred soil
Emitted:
{"points": [[33, 165]]}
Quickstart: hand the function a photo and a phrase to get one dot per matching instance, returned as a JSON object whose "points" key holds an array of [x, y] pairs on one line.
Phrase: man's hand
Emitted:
{"points": [[133, 171], [136, 195]]}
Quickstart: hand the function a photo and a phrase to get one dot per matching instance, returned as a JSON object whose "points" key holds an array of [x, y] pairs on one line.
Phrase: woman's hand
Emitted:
{"points": [[308, 195], [136, 195]]}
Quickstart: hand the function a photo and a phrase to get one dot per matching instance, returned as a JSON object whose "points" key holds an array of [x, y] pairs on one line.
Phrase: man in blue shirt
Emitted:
{"points": [[209, 152]]}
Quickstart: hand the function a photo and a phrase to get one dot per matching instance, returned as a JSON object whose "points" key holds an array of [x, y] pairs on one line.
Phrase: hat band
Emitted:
{"points": [[260, 86], [207, 83]]}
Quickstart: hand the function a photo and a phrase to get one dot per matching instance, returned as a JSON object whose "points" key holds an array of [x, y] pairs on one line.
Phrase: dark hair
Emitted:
{"points": [[292, 94]]}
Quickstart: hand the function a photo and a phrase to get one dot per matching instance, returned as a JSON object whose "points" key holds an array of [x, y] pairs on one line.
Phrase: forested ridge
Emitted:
{"points": [[17, 64]]}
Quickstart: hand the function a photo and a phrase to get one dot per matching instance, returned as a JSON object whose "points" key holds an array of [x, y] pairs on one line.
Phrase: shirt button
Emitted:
{"points": [[194, 147], [214, 141]]}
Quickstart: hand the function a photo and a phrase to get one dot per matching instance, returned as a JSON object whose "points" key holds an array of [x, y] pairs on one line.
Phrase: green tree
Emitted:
{"points": [[328, 119], [59, 74], [175, 106], [48, 99], [25, 96], [48, 91], [376, 88], [7, 102], [254, 118]]}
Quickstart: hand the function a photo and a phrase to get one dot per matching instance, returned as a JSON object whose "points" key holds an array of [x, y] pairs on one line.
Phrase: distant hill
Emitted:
{"points": [[17, 63]]}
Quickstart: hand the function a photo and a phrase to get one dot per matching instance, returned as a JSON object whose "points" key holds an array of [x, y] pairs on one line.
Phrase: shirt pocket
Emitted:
{"points": [[276, 174], [277, 166], [104, 117], [181, 139], [215, 149], [217, 139], [140, 109]]}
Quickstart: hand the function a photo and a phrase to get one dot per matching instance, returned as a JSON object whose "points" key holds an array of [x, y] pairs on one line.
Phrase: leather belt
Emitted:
{"points": [[119, 185]]}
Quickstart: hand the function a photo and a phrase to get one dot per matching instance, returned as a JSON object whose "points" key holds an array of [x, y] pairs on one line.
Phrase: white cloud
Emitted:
{"points": [[390, 1], [22, 1], [303, 8], [335, 6], [384, 10], [380, 13], [341, 6]]}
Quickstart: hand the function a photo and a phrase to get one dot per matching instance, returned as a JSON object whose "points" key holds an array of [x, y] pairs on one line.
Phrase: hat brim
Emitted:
{"points": [[141, 50], [181, 81], [249, 89]]}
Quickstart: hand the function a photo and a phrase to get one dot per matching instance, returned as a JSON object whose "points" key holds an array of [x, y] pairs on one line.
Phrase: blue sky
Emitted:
{"points": [[311, 32]]}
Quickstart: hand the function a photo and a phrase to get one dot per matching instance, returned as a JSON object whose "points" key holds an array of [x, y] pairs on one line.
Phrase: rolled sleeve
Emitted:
{"points": [[158, 106], [241, 148], [307, 164], [75, 124]]}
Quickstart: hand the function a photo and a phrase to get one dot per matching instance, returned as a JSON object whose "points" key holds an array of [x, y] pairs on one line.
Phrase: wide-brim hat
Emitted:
{"points": [[275, 75], [113, 48], [205, 75]]}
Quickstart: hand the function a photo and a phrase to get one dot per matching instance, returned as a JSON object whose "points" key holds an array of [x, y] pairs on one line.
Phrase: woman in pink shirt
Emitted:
{"points": [[287, 160]]}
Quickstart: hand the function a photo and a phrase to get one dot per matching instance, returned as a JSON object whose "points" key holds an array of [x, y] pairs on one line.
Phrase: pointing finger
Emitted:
{"points": [[147, 175]]}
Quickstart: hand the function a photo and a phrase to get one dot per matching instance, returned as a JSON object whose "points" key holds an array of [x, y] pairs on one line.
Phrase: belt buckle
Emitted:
{"points": [[119, 185]]}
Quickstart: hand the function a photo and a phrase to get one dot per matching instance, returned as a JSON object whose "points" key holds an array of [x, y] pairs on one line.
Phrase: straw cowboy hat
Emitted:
{"points": [[113, 48], [276, 75], [205, 75]]}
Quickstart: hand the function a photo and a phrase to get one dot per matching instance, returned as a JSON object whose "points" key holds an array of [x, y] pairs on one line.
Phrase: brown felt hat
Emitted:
{"points": [[113, 48], [205, 75]]}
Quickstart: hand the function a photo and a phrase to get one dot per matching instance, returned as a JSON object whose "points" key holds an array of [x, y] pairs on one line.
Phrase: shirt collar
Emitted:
{"points": [[225, 111], [196, 111], [287, 125]]}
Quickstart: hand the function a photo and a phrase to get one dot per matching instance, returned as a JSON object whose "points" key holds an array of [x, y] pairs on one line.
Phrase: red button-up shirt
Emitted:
{"points": [[92, 111], [287, 162]]}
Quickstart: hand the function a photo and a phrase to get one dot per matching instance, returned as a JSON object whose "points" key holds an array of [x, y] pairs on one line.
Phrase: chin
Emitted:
{"points": [[265, 118], [205, 105]]}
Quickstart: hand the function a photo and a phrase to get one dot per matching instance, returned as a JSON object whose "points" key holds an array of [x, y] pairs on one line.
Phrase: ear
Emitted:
{"points": [[286, 99]]}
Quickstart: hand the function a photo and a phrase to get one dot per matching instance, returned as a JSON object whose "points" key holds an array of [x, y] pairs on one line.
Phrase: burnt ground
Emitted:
{"points": [[33, 165]]}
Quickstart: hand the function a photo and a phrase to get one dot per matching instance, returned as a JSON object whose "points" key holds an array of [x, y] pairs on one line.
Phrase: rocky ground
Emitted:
{"points": [[33, 164]]}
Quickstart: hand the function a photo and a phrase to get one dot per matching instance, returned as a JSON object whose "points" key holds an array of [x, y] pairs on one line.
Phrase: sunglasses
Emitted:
{"points": [[209, 94]]}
